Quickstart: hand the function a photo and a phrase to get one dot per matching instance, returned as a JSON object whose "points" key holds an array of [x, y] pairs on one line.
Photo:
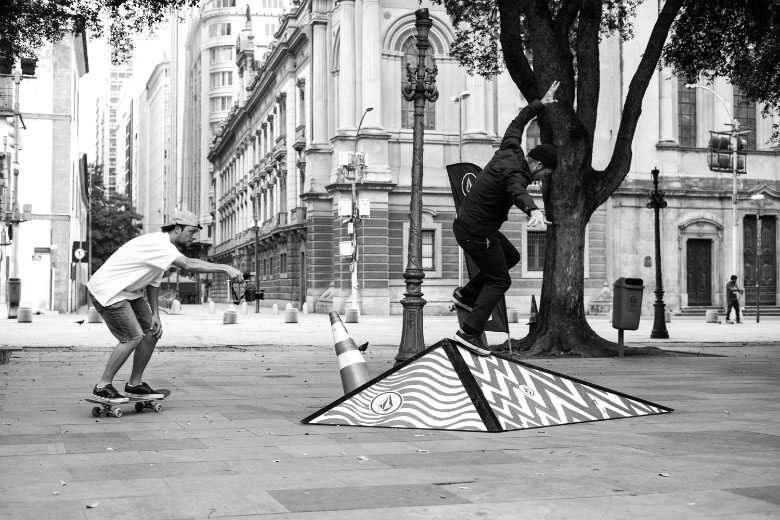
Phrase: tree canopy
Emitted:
{"points": [[26, 25], [541, 41], [114, 221]]}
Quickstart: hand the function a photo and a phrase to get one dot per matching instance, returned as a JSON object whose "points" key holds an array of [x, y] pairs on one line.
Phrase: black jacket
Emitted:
{"points": [[502, 183]]}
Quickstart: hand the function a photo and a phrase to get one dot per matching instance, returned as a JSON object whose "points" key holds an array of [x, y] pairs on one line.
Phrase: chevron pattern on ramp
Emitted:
{"points": [[447, 387]]}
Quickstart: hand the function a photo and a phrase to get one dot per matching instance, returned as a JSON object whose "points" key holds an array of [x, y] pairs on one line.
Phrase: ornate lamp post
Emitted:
{"points": [[419, 87], [758, 199], [657, 202], [459, 100]]}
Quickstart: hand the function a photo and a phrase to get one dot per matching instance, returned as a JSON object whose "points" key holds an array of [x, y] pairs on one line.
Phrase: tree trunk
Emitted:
{"points": [[562, 327]]}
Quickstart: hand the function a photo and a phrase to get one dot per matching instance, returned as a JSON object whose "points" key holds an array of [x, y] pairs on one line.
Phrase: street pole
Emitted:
{"points": [[734, 141], [419, 87], [657, 201], [255, 211], [459, 100], [759, 201], [15, 167], [357, 171]]}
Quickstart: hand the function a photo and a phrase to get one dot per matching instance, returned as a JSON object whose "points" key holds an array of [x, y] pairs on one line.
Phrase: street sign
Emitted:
{"points": [[80, 251]]}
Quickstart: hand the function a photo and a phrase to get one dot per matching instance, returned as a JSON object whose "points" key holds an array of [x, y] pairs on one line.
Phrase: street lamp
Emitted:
{"points": [[733, 146], [420, 86], [255, 215], [759, 201], [657, 201], [353, 171], [459, 100]]}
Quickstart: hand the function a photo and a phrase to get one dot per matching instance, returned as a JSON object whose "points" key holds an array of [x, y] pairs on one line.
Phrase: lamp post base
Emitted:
{"points": [[659, 322], [412, 340]]}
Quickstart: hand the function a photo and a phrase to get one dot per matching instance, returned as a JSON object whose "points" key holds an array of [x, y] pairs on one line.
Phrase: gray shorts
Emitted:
{"points": [[126, 319]]}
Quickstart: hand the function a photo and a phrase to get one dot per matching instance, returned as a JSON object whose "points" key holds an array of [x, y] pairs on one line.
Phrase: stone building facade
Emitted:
{"points": [[278, 159]]}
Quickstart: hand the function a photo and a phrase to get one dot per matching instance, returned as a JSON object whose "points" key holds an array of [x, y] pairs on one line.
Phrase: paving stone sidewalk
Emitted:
{"points": [[230, 444]]}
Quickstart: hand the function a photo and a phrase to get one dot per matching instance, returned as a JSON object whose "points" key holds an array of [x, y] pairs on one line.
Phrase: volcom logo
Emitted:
{"points": [[527, 391], [466, 182], [386, 402]]}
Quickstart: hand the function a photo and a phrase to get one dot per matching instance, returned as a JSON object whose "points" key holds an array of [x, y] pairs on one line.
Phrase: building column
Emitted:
{"points": [[372, 61], [666, 107], [475, 113], [319, 82], [347, 98]]}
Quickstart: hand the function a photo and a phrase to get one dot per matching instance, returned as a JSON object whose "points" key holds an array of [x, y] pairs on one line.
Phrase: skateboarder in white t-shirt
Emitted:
{"points": [[116, 292]]}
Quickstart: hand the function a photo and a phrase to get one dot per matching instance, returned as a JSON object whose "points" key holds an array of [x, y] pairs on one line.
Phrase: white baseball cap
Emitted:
{"points": [[183, 218]]}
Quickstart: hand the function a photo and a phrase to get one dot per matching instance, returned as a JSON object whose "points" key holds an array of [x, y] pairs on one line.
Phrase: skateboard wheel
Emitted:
{"points": [[158, 407], [117, 412], [96, 412], [139, 407]]}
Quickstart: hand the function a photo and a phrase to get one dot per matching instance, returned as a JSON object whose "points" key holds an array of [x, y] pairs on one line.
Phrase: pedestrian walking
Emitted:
{"points": [[500, 185], [732, 299], [116, 292]]}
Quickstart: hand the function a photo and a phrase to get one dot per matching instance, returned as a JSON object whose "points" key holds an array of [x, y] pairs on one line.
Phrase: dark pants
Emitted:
{"points": [[495, 256], [735, 305]]}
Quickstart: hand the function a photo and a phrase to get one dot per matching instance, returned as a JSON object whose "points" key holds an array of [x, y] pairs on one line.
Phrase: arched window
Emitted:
{"points": [[407, 107]]}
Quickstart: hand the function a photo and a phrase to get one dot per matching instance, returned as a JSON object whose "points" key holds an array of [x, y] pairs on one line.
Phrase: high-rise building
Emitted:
{"points": [[211, 87], [106, 124]]}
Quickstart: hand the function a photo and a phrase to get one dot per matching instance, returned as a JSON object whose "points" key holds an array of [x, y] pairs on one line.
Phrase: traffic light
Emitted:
{"points": [[10, 132]]}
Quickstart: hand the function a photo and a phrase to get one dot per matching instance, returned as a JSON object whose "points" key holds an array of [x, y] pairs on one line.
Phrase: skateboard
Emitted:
{"points": [[141, 403], [462, 315]]}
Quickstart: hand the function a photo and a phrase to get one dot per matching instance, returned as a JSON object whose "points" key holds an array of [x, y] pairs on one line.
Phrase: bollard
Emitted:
{"points": [[231, 316], [275, 309], [305, 309], [24, 315], [291, 315], [94, 316], [212, 307], [288, 306], [175, 307], [711, 316], [244, 308], [668, 316], [351, 315], [512, 315]]}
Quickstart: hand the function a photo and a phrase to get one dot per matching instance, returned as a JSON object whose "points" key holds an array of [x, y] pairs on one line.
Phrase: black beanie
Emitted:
{"points": [[545, 154]]}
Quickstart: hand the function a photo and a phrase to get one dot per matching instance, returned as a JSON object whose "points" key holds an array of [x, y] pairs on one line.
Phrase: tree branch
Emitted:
{"points": [[618, 166], [514, 53], [566, 16], [589, 77]]}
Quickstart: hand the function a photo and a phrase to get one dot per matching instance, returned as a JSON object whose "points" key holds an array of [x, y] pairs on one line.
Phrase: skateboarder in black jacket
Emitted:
{"points": [[499, 186]]}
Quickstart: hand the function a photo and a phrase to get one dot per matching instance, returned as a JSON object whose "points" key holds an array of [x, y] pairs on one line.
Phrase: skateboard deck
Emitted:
{"points": [[141, 403], [462, 315]]}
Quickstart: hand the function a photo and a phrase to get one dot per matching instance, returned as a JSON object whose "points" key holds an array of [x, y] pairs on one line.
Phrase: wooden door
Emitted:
{"points": [[699, 272], [767, 260]]}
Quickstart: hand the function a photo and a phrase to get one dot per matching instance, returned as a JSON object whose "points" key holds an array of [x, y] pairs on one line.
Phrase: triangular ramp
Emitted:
{"points": [[446, 387]]}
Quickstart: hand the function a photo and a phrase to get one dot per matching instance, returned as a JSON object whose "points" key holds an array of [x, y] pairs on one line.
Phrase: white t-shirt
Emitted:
{"points": [[134, 266]]}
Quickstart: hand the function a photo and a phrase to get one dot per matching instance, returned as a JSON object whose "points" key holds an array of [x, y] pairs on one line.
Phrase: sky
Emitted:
{"points": [[148, 53]]}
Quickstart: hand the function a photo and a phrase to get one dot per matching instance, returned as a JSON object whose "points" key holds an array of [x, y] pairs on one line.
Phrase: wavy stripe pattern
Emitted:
{"points": [[522, 397], [433, 398]]}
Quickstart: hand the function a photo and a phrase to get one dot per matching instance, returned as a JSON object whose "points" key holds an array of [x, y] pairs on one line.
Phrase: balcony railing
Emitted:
{"points": [[298, 216], [300, 137]]}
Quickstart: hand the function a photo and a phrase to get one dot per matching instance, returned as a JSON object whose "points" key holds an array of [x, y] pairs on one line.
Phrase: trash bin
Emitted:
{"points": [[14, 291], [627, 303]]}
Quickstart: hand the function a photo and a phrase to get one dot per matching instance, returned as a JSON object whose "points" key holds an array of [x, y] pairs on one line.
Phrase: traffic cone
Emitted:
{"points": [[353, 368], [533, 315]]}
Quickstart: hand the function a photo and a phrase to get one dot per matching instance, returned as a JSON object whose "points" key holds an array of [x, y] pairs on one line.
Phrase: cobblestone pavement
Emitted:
{"points": [[230, 444]]}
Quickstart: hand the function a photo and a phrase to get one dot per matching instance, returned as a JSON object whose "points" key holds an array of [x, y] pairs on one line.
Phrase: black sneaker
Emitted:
{"points": [[459, 300], [472, 343], [143, 391], [108, 394]]}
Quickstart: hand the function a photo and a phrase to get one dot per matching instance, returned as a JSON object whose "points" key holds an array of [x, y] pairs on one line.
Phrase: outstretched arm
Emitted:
{"points": [[200, 266]]}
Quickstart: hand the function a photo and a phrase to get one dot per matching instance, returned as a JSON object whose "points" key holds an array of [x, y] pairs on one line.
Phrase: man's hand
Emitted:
{"points": [[549, 98], [156, 326], [537, 218]]}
